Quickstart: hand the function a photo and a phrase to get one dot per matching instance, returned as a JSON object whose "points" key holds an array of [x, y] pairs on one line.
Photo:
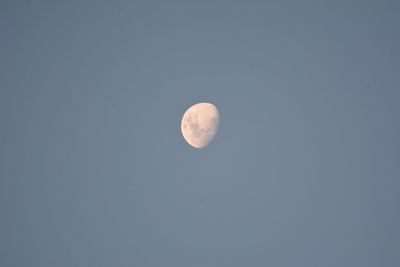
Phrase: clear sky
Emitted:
{"points": [[305, 168]]}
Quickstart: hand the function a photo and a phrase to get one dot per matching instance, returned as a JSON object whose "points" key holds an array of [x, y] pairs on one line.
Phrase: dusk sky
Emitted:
{"points": [[304, 170]]}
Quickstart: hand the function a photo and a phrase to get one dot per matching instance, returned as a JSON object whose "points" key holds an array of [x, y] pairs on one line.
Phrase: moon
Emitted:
{"points": [[200, 124]]}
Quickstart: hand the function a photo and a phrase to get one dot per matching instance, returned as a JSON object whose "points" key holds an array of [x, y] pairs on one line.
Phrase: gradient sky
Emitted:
{"points": [[304, 171]]}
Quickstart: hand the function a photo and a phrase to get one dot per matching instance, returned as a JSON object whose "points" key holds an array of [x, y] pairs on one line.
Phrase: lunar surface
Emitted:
{"points": [[200, 124]]}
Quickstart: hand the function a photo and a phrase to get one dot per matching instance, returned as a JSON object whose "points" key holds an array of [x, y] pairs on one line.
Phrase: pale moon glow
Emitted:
{"points": [[200, 124]]}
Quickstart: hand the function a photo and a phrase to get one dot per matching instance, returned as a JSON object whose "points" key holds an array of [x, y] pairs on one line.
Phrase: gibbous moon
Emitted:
{"points": [[200, 124]]}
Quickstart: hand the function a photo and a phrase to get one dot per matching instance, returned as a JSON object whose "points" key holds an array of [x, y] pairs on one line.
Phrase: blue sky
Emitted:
{"points": [[304, 170]]}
